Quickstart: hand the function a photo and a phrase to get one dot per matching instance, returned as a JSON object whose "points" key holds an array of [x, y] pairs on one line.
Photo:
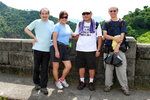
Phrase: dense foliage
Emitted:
{"points": [[139, 24], [13, 21], [144, 38]]}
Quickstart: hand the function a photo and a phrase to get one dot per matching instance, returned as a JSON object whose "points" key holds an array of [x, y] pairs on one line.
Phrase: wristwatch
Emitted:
{"points": [[98, 50]]}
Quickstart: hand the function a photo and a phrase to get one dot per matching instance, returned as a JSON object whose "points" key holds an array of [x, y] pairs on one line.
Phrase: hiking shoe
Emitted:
{"points": [[81, 85], [91, 86], [59, 85], [37, 87], [64, 83], [126, 92], [107, 89], [44, 91]]}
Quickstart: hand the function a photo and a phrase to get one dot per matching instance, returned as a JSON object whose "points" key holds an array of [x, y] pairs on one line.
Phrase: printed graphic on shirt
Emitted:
{"points": [[86, 31]]}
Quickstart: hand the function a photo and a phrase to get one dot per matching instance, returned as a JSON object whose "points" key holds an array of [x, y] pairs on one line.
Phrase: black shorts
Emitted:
{"points": [[86, 60], [64, 52]]}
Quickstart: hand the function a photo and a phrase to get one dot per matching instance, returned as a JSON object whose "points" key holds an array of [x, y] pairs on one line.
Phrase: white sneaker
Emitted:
{"points": [[59, 85], [64, 83]]}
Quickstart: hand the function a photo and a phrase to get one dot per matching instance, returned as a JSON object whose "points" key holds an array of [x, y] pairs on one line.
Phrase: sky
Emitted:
{"points": [[75, 7]]}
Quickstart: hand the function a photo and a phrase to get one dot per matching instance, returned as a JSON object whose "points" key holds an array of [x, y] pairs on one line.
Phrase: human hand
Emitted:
{"points": [[34, 41], [97, 54], [74, 35], [117, 39], [116, 50], [57, 55]]}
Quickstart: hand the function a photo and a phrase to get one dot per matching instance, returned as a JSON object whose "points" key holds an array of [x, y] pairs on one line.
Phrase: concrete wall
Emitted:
{"points": [[16, 57], [142, 69]]}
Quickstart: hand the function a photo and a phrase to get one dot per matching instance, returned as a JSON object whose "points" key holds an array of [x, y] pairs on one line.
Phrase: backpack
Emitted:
{"points": [[124, 46]]}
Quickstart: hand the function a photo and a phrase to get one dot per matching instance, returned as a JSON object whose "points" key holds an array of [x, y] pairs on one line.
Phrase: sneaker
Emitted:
{"points": [[107, 89], [37, 87], [44, 91], [91, 86], [59, 85], [64, 83], [126, 92], [81, 85]]}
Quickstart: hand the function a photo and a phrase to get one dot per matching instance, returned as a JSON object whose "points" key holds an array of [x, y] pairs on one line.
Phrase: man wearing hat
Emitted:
{"points": [[114, 31], [89, 32]]}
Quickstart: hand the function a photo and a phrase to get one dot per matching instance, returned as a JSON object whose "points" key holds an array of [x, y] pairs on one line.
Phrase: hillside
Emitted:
{"points": [[13, 21], [139, 24]]}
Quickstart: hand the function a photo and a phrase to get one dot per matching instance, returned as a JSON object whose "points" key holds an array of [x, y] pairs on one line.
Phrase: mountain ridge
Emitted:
{"points": [[13, 21]]}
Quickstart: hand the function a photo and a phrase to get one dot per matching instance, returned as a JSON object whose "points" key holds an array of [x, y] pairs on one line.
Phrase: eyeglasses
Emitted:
{"points": [[86, 13], [113, 11], [66, 17]]}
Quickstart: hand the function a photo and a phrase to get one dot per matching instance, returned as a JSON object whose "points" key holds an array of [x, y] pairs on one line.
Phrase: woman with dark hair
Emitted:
{"points": [[60, 50]]}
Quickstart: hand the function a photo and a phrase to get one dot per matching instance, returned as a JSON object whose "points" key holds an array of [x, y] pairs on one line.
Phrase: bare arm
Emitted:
{"points": [[99, 46], [118, 45], [117, 39], [108, 37], [122, 37], [75, 36], [55, 34], [27, 31], [99, 42]]}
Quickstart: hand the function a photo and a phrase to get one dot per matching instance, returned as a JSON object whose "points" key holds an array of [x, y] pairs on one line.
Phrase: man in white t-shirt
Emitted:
{"points": [[41, 46], [89, 34]]}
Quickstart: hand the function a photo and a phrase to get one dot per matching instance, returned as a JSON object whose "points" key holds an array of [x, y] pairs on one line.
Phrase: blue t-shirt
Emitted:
{"points": [[64, 33], [43, 31], [114, 28]]}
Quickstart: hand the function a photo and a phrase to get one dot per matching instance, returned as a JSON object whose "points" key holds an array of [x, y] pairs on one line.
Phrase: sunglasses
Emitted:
{"points": [[66, 17], [86, 13], [113, 11]]}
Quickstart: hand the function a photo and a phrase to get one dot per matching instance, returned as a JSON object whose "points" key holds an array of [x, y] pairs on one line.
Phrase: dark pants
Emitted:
{"points": [[40, 71]]}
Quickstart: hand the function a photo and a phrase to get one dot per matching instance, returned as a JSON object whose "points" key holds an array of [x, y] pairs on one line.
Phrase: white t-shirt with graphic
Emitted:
{"points": [[87, 42]]}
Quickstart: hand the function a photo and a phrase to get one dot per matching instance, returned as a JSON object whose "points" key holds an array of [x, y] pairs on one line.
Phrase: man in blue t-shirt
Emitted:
{"points": [[41, 46], [114, 32]]}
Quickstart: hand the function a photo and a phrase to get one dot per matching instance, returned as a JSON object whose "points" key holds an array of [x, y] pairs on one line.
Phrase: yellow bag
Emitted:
{"points": [[114, 43]]}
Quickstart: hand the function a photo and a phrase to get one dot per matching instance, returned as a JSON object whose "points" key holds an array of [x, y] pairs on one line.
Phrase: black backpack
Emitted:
{"points": [[124, 46]]}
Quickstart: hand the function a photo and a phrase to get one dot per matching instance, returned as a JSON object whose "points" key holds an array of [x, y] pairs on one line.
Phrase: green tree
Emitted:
{"points": [[144, 38], [138, 23], [13, 21]]}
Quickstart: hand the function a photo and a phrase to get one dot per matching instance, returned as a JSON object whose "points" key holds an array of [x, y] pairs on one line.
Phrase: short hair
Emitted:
{"points": [[62, 13], [113, 7], [44, 9]]}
